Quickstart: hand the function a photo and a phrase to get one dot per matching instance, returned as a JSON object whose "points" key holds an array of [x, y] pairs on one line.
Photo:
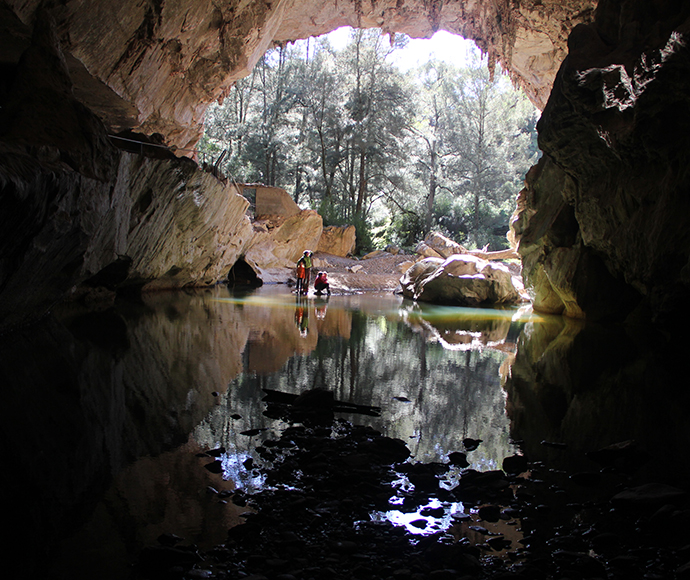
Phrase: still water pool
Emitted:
{"points": [[107, 414]]}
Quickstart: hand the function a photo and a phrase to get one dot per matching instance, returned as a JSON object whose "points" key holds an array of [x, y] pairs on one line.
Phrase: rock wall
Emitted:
{"points": [[602, 221], [603, 218], [166, 60]]}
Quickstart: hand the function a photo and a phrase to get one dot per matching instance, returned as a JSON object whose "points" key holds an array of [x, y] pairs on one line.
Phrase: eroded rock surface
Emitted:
{"points": [[603, 219], [460, 280], [165, 62], [338, 240]]}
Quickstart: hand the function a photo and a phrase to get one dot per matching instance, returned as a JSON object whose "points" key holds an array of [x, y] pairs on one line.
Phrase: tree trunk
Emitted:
{"points": [[433, 184], [362, 191]]}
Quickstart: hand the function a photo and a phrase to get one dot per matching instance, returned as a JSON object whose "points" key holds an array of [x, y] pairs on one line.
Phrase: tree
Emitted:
{"points": [[488, 127], [397, 154]]}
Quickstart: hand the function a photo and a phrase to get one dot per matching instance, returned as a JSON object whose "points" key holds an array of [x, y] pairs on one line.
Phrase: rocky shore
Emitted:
{"points": [[329, 484]]}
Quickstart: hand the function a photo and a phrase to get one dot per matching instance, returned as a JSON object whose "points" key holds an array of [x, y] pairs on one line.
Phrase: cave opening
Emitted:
{"points": [[242, 275], [598, 409], [400, 136]]}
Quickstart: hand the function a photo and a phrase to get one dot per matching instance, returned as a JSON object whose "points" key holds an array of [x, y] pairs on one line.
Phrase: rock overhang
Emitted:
{"points": [[155, 66]]}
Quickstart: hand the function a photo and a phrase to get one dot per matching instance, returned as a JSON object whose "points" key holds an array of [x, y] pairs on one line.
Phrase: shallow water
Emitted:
{"points": [[104, 413]]}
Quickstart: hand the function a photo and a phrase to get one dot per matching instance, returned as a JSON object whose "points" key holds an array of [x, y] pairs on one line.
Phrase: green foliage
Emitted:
{"points": [[396, 154]]}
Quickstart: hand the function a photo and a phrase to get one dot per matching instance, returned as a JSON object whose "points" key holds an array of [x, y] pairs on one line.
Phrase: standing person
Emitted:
{"points": [[306, 261], [300, 272]]}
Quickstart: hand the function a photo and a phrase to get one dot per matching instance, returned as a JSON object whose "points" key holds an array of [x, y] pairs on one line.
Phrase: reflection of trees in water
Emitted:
{"points": [[450, 394]]}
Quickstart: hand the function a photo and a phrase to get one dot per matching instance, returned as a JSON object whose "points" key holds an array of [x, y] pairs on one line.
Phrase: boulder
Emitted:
{"points": [[280, 242], [337, 240], [270, 201], [460, 280], [436, 245]]}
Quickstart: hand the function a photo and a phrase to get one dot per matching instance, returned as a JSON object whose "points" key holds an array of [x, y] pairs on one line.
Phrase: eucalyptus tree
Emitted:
{"points": [[489, 126], [320, 95], [380, 108], [253, 123], [351, 135]]}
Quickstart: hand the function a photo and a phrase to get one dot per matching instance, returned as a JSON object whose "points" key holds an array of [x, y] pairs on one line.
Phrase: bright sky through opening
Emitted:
{"points": [[442, 46]]}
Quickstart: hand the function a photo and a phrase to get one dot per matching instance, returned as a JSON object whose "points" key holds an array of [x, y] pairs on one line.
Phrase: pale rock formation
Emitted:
{"points": [[338, 240], [163, 63], [270, 201], [436, 245], [176, 225], [279, 243], [461, 280]]}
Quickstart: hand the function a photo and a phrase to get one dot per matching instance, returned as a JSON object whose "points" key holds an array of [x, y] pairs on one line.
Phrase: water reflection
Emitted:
{"points": [[104, 413], [378, 351]]}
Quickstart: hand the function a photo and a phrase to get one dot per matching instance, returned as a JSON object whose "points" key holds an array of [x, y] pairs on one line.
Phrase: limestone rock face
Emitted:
{"points": [[279, 243], [602, 221], [160, 223], [338, 240], [178, 226], [270, 201], [460, 280], [159, 68]]}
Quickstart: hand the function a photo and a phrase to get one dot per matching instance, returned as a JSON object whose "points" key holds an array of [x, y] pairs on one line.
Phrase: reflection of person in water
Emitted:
{"points": [[302, 316], [320, 307]]}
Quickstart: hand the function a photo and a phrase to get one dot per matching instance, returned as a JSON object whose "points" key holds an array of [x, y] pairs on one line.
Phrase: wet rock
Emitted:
{"points": [[588, 479], [683, 572], [515, 464], [490, 513], [579, 563], [650, 494], [433, 512], [499, 543], [458, 459], [251, 432], [215, 466], [153, 560], [554, 444], [169, 540], [605, 542], [471, 444]]}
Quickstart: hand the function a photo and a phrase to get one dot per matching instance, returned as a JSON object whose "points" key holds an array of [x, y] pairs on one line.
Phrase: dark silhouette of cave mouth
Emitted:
{"points": [[243, 275]]}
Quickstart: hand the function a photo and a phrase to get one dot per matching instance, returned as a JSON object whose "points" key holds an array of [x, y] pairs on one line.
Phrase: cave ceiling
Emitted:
{"points": [[155, 65]]}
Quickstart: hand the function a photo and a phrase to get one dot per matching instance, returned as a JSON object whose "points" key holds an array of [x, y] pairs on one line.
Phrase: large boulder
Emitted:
{"points": [[338, 240], [436, 245], [279, 243], [461, 280]]}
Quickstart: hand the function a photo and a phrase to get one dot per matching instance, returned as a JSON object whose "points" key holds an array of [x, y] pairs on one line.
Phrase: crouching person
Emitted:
{"points": [[321, 284]]}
